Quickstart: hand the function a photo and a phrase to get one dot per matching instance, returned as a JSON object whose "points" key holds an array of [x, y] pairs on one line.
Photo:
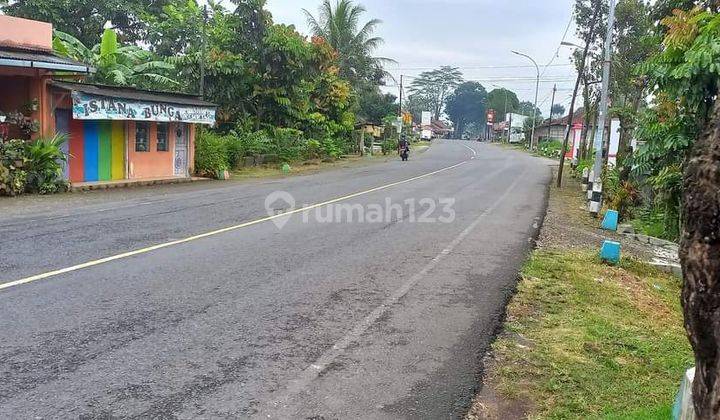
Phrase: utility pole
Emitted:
{"points": [[401, 94], [580, 77], [505, 113], [596, 199], [509, 130], [202, 53], [552, 104]]}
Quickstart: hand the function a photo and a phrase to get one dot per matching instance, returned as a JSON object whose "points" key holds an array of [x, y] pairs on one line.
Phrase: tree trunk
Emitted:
{"points": [[700, 256], [582, 152], [627, 127]]}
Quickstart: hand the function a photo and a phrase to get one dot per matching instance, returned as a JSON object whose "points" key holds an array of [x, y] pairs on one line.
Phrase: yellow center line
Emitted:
{"points": [[212, 233]]}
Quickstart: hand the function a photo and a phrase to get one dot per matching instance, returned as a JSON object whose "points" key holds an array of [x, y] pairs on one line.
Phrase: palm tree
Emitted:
{"points": [[127, 65], [340, 26]]}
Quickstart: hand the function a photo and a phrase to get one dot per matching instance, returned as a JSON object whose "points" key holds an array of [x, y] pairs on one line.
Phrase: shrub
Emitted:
{"points": [[256, 143], [13, 158], [550, 148], [235, 150], [312, 149], [45, 162], [582, 164], [330, 148], [211, 153], [389, 146]]}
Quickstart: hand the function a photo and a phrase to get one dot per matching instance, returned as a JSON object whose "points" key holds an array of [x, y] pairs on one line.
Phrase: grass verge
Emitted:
{"points": [[584, 339], [597, 341]]}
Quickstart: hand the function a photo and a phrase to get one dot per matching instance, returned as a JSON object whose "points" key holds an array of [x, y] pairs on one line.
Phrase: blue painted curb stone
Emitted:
{"points": [[610, 252], [610, 222]]}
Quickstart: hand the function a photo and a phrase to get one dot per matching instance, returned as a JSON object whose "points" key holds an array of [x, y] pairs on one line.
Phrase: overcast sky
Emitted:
{"points": [[470, 34]]}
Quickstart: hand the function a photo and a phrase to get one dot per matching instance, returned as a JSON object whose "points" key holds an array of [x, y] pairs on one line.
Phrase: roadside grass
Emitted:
{"points": [[300, 168], [314, 166], [588, 340]]}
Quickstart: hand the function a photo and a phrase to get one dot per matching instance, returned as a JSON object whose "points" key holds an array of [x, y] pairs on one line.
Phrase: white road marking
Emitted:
{"points": [[315, 369], [145, 250], [472, 150]]}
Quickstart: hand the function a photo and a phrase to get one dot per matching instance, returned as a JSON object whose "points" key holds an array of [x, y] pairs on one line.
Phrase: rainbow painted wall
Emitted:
{"points": [[97, 150]]}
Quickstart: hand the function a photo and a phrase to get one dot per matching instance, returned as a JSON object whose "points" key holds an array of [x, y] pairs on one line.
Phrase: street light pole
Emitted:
{"points": [[537, 88], [596, 198]]}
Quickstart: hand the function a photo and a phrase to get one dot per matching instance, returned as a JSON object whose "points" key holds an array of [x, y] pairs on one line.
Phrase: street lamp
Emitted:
{"points": [[537, 88], [570, 44]]}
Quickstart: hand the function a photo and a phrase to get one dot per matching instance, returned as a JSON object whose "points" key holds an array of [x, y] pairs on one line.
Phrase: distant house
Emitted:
{"points": [[440, 129], [554, 129]]}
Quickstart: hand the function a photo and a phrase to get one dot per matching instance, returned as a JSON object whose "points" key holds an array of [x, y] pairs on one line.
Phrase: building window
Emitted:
{"points": [[141, 137], [162, 137]]}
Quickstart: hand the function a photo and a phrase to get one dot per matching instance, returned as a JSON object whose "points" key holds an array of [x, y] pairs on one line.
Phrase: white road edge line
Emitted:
{"points": [[316, 368], [93, 263], [472, 150]]}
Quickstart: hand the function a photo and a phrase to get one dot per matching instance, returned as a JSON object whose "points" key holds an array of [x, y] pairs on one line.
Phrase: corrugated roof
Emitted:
{"points": [[38, 56], [132, 93], [578, 117]]}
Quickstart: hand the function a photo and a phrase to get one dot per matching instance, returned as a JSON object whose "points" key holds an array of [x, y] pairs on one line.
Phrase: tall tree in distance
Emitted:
{"points": [[526, 108], [467, 105], [557, 111], [502, 101], [433, 87]]}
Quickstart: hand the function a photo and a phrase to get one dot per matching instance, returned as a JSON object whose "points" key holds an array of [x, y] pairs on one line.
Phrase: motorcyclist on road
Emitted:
{"points": [[403, 148]]}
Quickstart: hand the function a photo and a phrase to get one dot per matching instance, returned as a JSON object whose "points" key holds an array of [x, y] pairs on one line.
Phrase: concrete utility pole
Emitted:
{"points": [[552, 104], [401, 94], [596, 198], [580, 77], [509, 129], [537, 88]]}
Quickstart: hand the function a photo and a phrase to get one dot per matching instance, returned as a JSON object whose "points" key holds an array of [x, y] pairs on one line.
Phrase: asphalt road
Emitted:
{"points": [[385, 318]]}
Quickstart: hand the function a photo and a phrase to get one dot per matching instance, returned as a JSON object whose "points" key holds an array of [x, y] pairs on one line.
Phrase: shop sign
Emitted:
{"points": [[96, 107]]}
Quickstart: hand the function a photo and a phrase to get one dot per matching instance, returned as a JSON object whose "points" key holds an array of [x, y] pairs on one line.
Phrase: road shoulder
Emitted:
{"points": [[581, 338]]}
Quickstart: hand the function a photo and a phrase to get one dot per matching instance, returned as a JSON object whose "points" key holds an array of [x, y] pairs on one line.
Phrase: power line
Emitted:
{"points": [[511, 79], [557, 51], [481, 67]]}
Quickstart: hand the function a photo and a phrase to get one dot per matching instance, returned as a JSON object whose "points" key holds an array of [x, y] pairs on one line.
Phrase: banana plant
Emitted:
{"points": [[127, 65]]}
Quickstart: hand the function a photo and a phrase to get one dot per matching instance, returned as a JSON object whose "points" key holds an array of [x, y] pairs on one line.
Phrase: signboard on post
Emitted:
{"points": [[426, 118], [97, 107], [399, 124], [407, 118], [490, 116]]}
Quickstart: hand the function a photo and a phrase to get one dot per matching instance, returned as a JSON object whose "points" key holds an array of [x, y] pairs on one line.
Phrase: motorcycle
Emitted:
{"points": [[405, 153]]}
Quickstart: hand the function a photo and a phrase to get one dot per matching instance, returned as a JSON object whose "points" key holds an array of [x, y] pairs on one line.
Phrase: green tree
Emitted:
{"points": [[85, 20], [502, 101], [466, 105], [433, 87], [118, 65], [526, 108], [375, 105], [557, 111], [340, 25]]}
